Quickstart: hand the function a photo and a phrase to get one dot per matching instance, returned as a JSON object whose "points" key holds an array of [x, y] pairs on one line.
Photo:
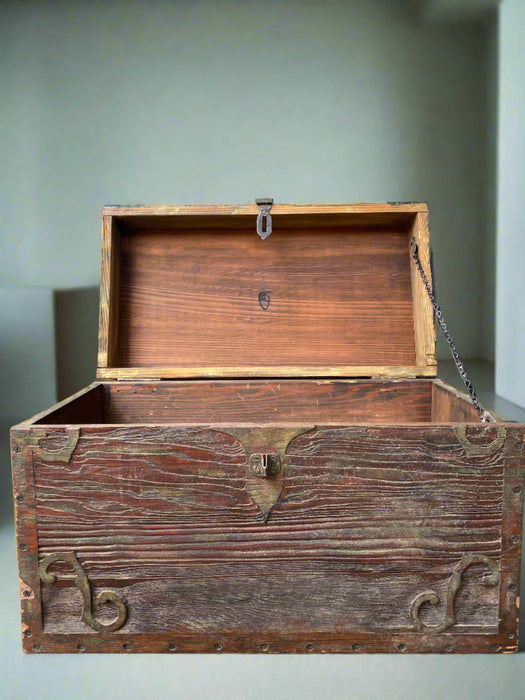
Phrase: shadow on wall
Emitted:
{"points": [[48, 350], [76, 338]]}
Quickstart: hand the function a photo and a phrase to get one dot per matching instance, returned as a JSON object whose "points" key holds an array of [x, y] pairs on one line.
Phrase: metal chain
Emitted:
{"points": [[483, 414]]}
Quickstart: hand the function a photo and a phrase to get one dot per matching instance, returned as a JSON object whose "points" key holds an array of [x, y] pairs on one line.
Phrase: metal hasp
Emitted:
{"points": [[265, 465], [264, 219]]}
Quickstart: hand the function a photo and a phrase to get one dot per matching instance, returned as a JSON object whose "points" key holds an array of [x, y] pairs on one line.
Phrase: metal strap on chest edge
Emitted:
{"points": [[483, 414]]}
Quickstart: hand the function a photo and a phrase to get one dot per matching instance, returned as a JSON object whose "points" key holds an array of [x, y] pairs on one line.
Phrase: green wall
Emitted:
{"points": [[210, 102], [510, 298]]}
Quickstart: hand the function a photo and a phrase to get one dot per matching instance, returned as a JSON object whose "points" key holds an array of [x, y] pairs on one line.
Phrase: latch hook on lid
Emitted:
{"points": [[264, 219]]}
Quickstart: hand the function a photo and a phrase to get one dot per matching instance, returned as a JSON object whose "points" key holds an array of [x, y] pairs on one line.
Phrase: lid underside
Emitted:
{"points": [[195, 292]]}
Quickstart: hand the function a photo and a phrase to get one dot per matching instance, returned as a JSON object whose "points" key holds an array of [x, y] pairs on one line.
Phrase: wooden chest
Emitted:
{"points": [[266, 462]]}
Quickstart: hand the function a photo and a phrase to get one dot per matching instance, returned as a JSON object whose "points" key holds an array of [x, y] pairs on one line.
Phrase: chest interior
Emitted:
{"points": [[326, 321], [265, 402]]}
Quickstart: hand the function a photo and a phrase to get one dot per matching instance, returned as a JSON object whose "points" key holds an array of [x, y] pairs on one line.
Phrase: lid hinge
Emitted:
{"points": [[264, 218], [139, 379]]}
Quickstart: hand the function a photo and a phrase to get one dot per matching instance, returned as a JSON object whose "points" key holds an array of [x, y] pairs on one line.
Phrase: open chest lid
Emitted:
{"points": [[194, 291]]}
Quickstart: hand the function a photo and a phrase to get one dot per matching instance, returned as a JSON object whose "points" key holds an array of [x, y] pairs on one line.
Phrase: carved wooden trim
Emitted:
{"points": [[474, 449]]}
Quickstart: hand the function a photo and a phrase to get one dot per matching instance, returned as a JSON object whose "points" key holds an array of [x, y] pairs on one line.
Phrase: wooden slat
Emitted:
{"points": [[261, 371], [512, 531], [449, 405], [193, 300], [384, 210], [285, 216], [106, 283], [263, 402], [109, 294], [26, 535], [425, 337], [400, 642]]}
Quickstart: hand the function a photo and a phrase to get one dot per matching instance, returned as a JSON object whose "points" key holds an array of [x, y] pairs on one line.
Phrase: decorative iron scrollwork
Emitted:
{"points": [[83, 585], [63, 453], [474, 449], [454, 584]]}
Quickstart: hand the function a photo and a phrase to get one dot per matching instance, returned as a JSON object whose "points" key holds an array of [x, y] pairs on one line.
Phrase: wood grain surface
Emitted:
{"points": [[108, 337], [261, 401], [368, 519], [424, 323], [192, 299], [86, 406], [450, 405], [225, 216], [260, 371]]}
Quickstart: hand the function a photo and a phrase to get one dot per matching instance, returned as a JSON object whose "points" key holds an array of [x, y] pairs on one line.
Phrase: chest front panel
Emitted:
{"points": [[358, 525]]}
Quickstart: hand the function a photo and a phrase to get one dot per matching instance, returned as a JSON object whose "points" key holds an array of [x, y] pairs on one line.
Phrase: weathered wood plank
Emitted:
{"points": [[109, 293], [263, 401], [304, 643], [368, 519], [448, 405], [266, 605], [258, 371], [193, 300], [325, 214], [26, 535], [425, 334]]}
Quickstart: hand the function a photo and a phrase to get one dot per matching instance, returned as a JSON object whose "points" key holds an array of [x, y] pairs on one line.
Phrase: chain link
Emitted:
{"points": [[483, 414]]}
